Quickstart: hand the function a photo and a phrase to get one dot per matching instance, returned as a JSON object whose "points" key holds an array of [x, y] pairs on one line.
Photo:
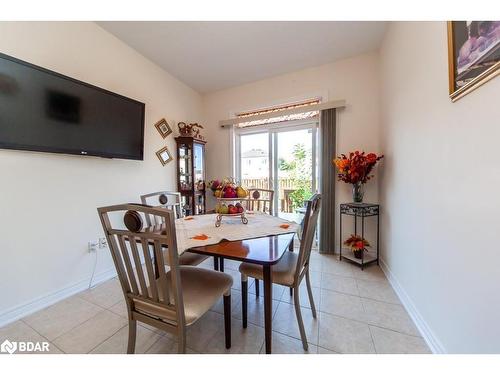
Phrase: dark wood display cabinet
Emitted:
{"points": [[191, 173]]}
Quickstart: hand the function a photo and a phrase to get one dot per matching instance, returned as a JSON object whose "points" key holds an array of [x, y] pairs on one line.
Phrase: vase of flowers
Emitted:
{"points": [[358, 245], [355, 169]]}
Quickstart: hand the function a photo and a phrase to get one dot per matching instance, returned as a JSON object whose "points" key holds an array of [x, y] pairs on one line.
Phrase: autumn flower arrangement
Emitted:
{"points": [[357, 244], [355, 169]]}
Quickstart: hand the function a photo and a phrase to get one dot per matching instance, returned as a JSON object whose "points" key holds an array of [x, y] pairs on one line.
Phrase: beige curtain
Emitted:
{"points": [[327, 181]]}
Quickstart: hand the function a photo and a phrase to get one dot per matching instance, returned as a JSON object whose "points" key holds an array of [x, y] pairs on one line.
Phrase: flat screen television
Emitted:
{"points": [[41, 110]]}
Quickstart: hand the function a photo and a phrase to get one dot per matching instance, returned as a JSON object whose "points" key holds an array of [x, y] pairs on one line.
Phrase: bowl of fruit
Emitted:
{"points": [[230, 197]]}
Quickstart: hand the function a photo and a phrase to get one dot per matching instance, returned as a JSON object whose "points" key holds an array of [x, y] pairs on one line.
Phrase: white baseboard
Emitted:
{"points": [[430, 338], [20, 311]]}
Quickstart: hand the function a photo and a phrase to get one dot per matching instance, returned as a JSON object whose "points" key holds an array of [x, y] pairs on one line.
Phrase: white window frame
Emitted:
{"points": [[272, 130]]}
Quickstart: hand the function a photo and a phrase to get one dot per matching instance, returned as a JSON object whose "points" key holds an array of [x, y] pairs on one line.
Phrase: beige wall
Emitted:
{"points": [[48, 202], [439, 191], [354, 79]]}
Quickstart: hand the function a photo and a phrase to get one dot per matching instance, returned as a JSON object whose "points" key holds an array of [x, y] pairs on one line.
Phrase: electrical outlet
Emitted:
{"points": [[102, 243], [92, 246]]}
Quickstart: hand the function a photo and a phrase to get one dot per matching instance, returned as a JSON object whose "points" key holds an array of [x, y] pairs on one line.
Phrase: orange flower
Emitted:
{"points": [[341, 164]]}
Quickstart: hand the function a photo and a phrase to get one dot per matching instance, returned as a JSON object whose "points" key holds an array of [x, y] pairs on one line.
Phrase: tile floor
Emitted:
{"points": [[358, 312]]}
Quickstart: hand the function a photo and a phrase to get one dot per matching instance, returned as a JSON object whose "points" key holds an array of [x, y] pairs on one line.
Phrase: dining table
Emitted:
{"points": [[263, 241]]}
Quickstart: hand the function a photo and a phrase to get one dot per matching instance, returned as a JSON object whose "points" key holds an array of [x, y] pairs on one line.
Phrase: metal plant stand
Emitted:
{"points": [[362, 211]]}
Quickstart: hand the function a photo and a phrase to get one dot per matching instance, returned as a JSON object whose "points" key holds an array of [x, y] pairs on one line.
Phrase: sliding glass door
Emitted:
{"points": [[281, 158]]}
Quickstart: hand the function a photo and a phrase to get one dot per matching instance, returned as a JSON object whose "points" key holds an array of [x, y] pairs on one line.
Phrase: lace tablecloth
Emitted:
{"points": [[231, 229]]}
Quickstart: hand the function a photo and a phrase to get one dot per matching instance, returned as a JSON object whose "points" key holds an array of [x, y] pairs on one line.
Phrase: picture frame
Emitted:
{"points": [[164, 155], [163, 128], [473, 55]]}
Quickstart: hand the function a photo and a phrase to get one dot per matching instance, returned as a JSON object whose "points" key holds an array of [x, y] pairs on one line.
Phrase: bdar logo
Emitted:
{"points": [[8, 347]]}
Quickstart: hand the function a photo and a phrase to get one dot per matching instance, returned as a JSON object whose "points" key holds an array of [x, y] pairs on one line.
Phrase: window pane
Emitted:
{"points": [[255, 160]]}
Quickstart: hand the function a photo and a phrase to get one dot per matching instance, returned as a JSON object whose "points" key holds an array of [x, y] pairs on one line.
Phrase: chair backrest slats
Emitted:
{"points": [[150, 270], [263, 200], [158, 252], [310, 223], [173, 202], [128, 264], [147, 287], [138, 266]]}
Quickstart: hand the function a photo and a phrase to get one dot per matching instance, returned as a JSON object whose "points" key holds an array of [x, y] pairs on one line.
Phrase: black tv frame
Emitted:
{"points": [[56, 150]]}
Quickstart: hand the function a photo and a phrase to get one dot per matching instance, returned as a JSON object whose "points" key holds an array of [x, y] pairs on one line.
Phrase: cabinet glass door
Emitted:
{"points": [[185, 172]]}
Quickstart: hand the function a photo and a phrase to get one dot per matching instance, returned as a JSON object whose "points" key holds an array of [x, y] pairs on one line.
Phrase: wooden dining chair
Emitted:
{"points": [[165, 199], [171, 300], [171, 200], [260, 200], [290, 270]]}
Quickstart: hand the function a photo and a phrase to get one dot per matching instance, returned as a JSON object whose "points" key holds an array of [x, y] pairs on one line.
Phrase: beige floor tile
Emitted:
{"points": [[61, 317], [93, 332], [388, 315], [285, 322], [117, 344], [371, 272], [278, 290], [199, 334], [255, 310], [315, 264], [303, 296], [344, 335], [339, 284], [390, 342], [235, 302], [243, 340], [377, 290], [20, 331], [325, 351], [105, 294], [231, 264], [331, 265], [315, 279], [167, 346], [341, 304], [120, 308], [282, 344]]}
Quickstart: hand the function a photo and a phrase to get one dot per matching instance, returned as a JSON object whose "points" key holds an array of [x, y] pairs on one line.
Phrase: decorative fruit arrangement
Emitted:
{"points": [[227, 188], [230, 209], [229, 196]]}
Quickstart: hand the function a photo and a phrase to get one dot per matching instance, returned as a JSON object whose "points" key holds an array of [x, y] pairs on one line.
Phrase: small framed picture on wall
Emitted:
{"points": [[473, 55], [164, 156], [163, 128]]}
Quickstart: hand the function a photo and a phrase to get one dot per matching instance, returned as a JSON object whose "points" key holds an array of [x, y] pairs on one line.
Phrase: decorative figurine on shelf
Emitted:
{"points": [[191, 130], [356, 170], [357, 245], [200, 185]]}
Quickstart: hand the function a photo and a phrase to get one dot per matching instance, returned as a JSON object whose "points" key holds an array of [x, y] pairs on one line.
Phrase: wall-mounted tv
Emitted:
{"points": [[41, 110]]}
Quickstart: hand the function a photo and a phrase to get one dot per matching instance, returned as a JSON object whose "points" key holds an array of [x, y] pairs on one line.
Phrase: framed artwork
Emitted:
{"points": [[164, 155], [163, 128], [473, 55]]}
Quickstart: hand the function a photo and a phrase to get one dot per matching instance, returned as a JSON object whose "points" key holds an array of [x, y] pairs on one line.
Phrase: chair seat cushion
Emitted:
{"points": [[282, 272], [201, 289]]}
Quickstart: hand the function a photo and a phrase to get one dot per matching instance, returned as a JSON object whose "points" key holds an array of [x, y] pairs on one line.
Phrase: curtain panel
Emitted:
{"points": [[328, 131]]}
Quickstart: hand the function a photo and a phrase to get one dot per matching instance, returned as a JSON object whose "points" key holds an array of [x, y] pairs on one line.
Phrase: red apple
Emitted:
{"points": [[240, 209]]}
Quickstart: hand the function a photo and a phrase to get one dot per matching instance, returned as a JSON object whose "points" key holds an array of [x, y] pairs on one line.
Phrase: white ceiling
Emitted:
{"points": [[210, 56]]}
